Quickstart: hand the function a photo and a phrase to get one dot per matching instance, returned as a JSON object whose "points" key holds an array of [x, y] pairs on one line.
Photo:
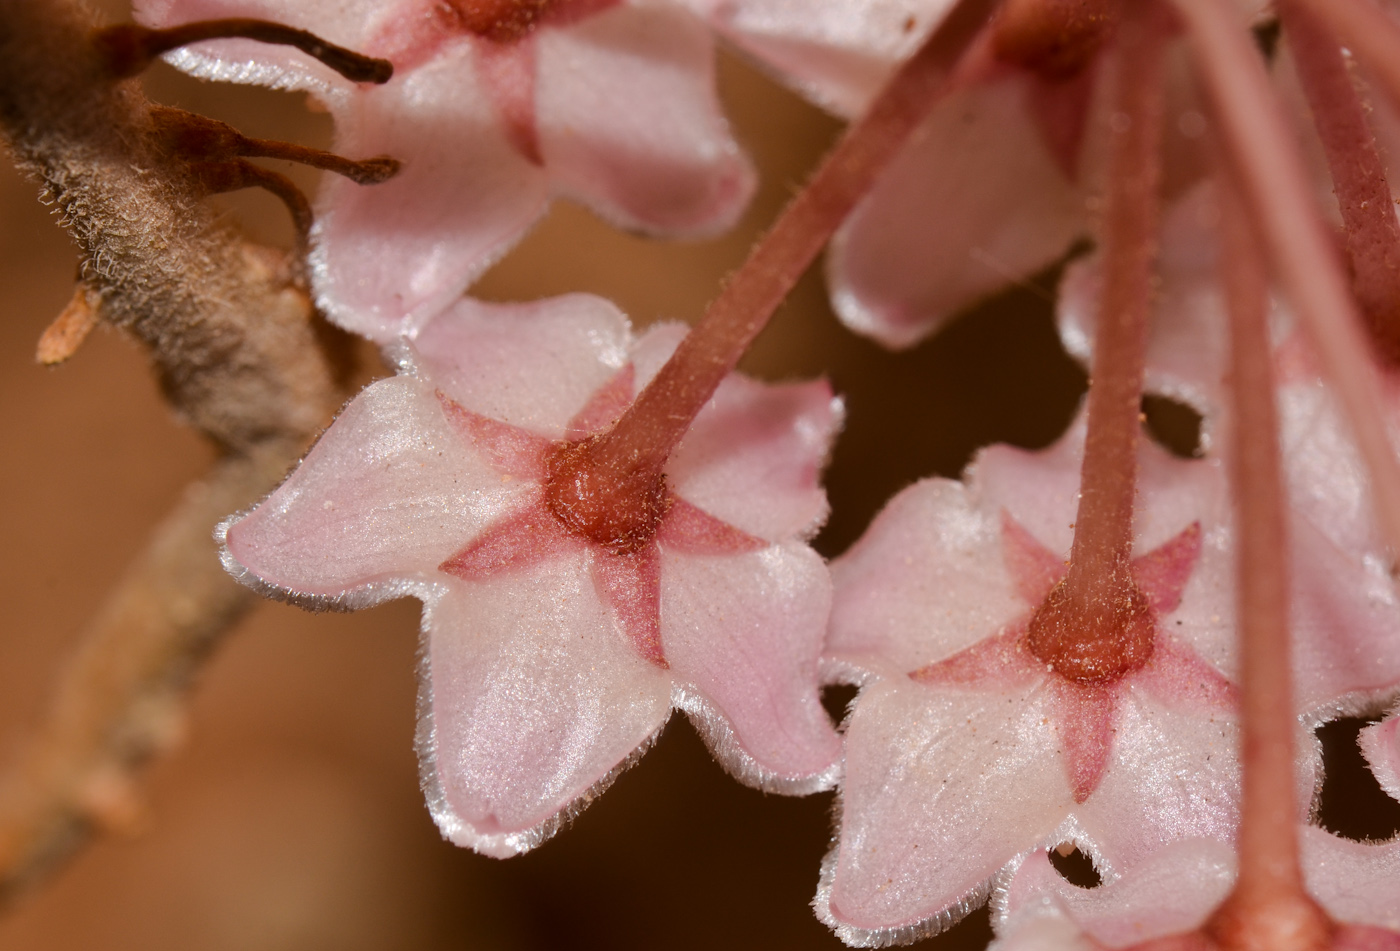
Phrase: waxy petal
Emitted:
{"points": [[534, 366], [931, 774], [934, 543], [388, 493], [743, 634], [531, 702], [755, 453], [837, 54], [1356, 882], [522, 539], [390, 256], [1173, 890], [1380, 744], [628, 121], [976, 202]]}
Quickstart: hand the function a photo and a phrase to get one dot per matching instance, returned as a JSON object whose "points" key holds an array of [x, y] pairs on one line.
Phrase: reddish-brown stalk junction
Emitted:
{"points": [[609, 488], [1053, 38], [1097, 626]]}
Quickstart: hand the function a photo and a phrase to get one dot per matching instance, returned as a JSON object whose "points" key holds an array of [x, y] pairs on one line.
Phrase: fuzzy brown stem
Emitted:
{"points": [[1274, 185], [653, 426], [1269, 907], [237, 354], [119, 702]]}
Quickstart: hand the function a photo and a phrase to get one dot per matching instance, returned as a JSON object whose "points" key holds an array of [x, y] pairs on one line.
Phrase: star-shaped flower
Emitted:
{"points": [[551, 658], [494, 108], [1346, 609], [967, 748]]}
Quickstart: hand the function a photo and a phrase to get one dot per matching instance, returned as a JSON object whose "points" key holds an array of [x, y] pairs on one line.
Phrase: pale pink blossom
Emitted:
{"points": [[964, 753], [551, 661], [611, 102]]}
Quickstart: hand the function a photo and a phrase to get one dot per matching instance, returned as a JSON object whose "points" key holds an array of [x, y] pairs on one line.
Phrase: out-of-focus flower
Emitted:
{"points": [[550, 660], [493, 109], [963, 743]]}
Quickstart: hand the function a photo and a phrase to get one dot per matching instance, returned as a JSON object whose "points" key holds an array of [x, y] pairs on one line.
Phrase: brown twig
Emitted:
{"points": [[237, 355]]}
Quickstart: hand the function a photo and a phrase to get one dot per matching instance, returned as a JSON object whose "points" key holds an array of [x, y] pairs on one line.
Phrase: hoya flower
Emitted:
{"points": [[551, 657], [968, 748], [494, 109]]}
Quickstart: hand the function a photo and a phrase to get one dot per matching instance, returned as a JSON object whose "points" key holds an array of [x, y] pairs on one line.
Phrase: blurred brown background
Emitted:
{"points": [[290, 817]]}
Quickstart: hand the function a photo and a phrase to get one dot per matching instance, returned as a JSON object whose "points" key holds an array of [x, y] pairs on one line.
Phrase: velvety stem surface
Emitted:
{"points": [[1366, 30], [1262, 149], [1096, 625], [1358, 174], [655, 423], [1269, 907]]}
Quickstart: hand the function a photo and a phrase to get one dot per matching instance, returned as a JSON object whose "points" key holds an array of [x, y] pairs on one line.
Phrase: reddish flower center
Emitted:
{"points": [[1093, 642], [619, 510], [501, 21], [1053, 38]]}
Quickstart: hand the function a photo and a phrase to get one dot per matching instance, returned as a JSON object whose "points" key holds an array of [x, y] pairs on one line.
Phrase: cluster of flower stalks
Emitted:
{"points": [[1098, 646]]}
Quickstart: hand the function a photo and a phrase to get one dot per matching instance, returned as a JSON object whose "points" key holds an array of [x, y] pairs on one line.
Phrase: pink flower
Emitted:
{"points": [[1346, 610], [494, 110], [550, 660], [965, 750]]}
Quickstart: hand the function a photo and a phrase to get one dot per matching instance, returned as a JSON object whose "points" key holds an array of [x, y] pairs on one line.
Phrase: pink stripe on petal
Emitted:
{"points": [[1085, 717], [997, 662], [606, 405], [1061, 113], [508, 73], [1179, 677], [694, 531], [519, 540], [516, 452], [1163, 572], [1034, 569], [631, 586]]}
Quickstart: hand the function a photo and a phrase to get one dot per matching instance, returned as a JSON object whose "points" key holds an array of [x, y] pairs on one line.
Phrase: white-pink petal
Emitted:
{"points": [[629, 121], [531, 701], [755, 453], [389, 256], [1171, 891], [743, 634], [942, 788], [533, 365], [838, 52], [1358, 883], [389, 492], [975, 203]]}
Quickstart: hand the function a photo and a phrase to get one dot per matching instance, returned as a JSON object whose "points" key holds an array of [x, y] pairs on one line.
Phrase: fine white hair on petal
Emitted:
{"points": [[717, 732]]}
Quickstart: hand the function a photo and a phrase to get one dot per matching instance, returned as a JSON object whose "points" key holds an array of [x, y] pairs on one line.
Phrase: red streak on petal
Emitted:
{"points": [[693, 531], [606, 405], [1163, 572], [1086, 716], [1179, 677], [631, 585], [999, 661], [1061, 113], [1034, 569], [508, 72], [520, 540], [514, 451]]}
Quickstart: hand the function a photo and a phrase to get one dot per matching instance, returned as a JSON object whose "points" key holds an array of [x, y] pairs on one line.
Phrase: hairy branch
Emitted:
{"points": [[233, 342]]}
